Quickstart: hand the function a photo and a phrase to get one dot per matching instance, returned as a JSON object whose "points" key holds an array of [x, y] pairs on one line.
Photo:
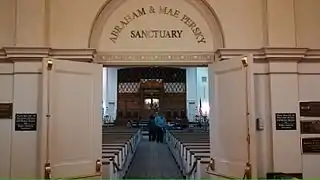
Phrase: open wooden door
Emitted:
{"points": [[71, 129], [232, 122]]}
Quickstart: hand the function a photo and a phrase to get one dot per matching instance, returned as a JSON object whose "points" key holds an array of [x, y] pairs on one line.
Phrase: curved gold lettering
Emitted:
{"points": [[151, 34]]}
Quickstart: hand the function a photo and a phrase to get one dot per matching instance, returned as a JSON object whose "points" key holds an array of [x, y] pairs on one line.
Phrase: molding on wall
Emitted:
{"points": [[157, 58], [313, 54], [87, 55], [26, 52], [272, 54], [2, 54], [37, 53]]}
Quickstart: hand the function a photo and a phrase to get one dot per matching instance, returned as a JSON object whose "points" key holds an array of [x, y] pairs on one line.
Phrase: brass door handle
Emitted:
{"points": [[47, 170], [212, 165], [98, 166]]}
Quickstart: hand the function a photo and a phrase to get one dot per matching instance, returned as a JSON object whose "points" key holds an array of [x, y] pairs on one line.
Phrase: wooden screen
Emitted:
{"points": [[141, 90]]}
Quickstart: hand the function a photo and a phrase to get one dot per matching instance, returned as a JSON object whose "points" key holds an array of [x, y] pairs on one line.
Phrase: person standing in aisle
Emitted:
{"points": [[160, 125], [152, 128]]}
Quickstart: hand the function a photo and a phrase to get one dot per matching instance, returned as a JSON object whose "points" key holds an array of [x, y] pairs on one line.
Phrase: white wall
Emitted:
{"points": [[20, 84], [7, 21], [307, 23], [263, 112], [26, 98], [309, 88], [267, 23], [70, 22], [284, 99]]}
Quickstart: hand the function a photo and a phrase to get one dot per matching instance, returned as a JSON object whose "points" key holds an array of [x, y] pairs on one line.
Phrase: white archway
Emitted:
{"points": [[193, 55]]}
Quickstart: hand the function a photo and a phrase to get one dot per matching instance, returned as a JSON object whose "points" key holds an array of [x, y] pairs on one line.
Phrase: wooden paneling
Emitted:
{"points": [[174, 106], [166, 84]]}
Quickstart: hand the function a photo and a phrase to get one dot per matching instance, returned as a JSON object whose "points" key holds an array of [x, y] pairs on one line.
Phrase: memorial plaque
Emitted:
{"points": [[5, 110], [286, 121], [310, 109], [26, 122], [310, 127], [311, 145]]}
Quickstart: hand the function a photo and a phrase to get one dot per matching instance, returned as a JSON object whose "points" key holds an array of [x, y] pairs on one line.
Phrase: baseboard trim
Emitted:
{"points": [[280, 175]]}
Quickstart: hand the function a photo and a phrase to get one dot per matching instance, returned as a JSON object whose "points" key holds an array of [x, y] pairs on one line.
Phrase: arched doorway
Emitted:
{"points": [[156, 33], [177, 33]]}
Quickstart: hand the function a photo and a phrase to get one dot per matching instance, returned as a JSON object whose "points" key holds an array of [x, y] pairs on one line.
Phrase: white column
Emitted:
{"points": [[105, 88], [203, 88], [284, 99], [6, 96], [191, 92], [112, 85], [26, 99]]}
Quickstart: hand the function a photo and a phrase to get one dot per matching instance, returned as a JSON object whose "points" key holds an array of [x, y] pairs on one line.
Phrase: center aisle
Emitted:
{"points": [[153, 160]]}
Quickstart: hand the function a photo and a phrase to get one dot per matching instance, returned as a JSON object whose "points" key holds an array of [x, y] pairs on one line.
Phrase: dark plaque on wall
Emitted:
{"points": [[311, 145], [310, 109], [26, 122], [286, 121], [310, 127], [5, 110]]}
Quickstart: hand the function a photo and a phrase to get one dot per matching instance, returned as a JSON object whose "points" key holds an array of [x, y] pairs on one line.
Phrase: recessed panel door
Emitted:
{"points": [[71, 129], [232, 118]]}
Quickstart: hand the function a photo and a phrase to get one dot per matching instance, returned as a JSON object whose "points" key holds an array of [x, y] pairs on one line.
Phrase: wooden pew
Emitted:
{"points": [[179, 141], [121, 154], [118, 148], [191, 151], [202, 165], [195, 156]]}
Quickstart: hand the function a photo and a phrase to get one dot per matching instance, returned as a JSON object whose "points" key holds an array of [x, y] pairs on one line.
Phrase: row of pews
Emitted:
{"points": [[191, 151], [118, 148]]}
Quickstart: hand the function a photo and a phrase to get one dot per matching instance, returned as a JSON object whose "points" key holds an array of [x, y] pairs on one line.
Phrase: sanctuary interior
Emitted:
{"points": [[129, 97]]}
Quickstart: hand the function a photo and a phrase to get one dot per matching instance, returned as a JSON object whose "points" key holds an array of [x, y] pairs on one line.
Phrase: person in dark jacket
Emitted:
{"points": [[152, 129]]}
